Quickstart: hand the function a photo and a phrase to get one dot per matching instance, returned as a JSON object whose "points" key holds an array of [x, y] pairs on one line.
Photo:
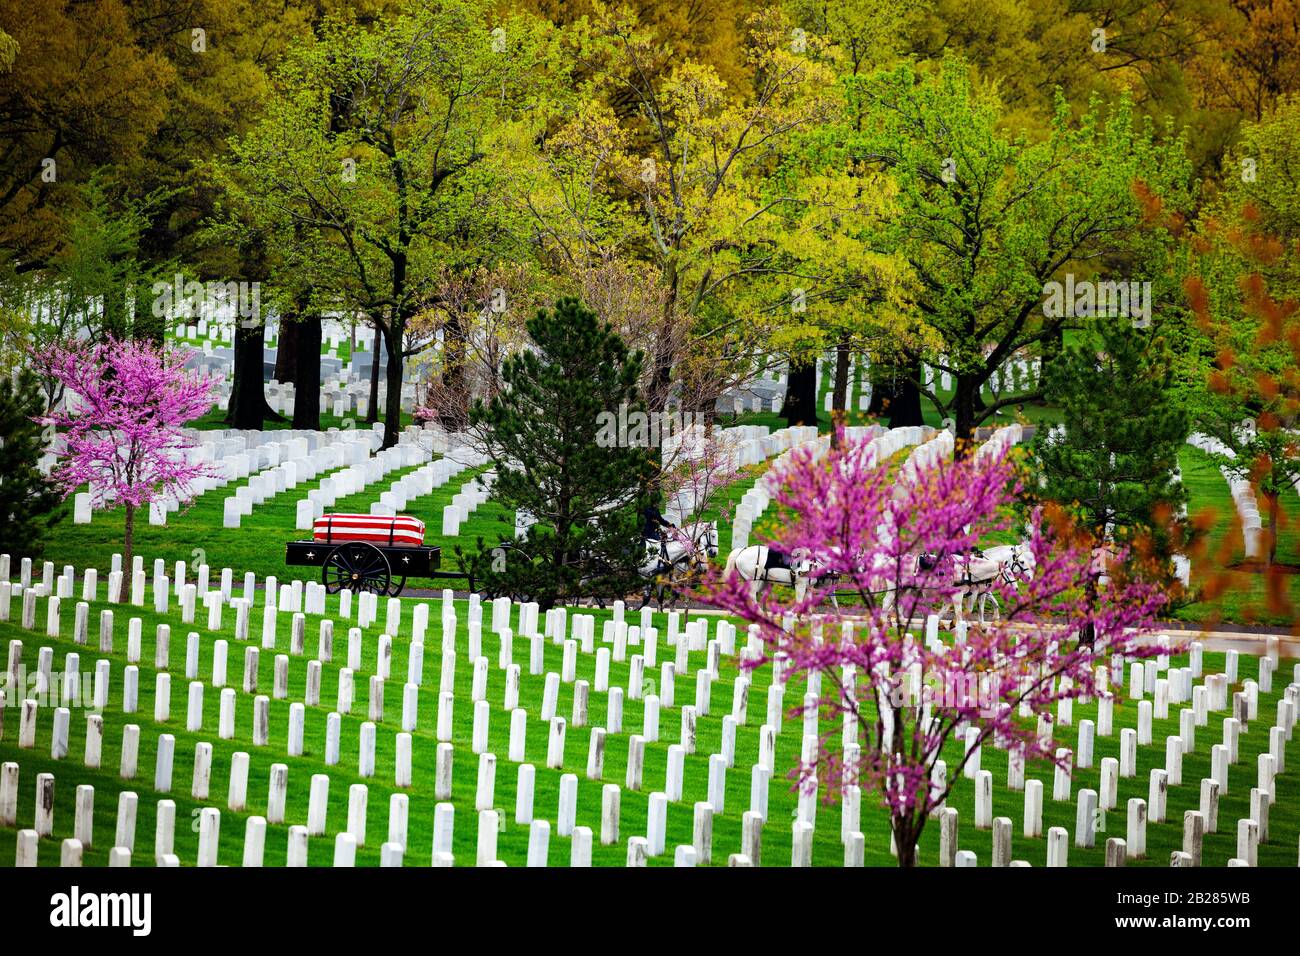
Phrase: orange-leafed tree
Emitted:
{"points": [[1242, 291]]}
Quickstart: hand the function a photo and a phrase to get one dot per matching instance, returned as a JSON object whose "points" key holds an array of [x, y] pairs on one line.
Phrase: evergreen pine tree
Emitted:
{"points": [[28, 502], [558, 460], [1114, 463]]}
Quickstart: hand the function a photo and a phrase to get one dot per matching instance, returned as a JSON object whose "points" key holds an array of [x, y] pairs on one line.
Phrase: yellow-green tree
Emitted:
{"points": [[682, 182]]}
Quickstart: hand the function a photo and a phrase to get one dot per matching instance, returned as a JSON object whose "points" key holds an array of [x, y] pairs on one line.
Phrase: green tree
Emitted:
{"points": [[28, 503], [77, 92], [557, 461], [380, 156], [987, 218], [662, 159], [96, 283], [1113, 463]]}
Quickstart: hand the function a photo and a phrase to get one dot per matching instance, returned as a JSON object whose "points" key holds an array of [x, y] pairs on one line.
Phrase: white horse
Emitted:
{"points": [[750, 564], [800, 572], [1017, 561], [977, 576], [684, 549]]}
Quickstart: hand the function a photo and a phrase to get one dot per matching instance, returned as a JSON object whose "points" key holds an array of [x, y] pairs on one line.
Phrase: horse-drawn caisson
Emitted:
{"points": [[367, 553], [671, 564], [379, 554]]}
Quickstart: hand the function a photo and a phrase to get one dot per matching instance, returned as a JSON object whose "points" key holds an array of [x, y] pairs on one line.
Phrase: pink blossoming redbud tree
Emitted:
{"points": [[121, 424], [698, 470], [898, 696]]}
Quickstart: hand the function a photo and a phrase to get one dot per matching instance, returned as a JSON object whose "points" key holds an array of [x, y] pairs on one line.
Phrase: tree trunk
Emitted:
{"points": [[128, 549], [454, 411], [905, 842], [248, 407], [393, 396], [661, 383], [905, 408], [286, 355], [882, 390], [964, 408], [372, 412], [662, 360], [306, 394], [800, 406], [840, 390]]}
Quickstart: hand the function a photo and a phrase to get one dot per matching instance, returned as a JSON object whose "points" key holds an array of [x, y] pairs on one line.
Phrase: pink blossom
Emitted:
{"points": [[121, 422], [864, 528]]}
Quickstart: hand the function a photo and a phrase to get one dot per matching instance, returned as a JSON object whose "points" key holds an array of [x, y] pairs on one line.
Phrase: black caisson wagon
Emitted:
{"points": [[362, 566]]}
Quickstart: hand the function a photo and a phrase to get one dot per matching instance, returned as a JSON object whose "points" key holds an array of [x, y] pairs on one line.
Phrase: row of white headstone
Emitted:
{"points": [[466, 501], [741, 447], [1143, 680], [940, 447], [621, 634], [355, 478], [1243, 496], [1017, 374], [756, 499], [347, 466], [501, 613], [1092, 804], [266, 463]]}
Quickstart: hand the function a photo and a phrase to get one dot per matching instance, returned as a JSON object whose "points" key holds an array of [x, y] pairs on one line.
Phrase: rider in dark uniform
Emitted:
{"points": [[652, 524]]}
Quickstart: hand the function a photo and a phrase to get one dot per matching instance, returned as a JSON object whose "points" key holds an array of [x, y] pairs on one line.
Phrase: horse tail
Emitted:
{"points": [[731, 561]]}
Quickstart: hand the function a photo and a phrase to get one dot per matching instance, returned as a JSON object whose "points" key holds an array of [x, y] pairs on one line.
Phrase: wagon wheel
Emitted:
{"points": [[395, 587], [477, 585], [356, 566]]}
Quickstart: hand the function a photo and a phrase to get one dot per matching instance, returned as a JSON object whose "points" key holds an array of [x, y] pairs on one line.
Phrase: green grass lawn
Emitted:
{"points": [[512, 845], [1245, 598], [196, 534]]}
